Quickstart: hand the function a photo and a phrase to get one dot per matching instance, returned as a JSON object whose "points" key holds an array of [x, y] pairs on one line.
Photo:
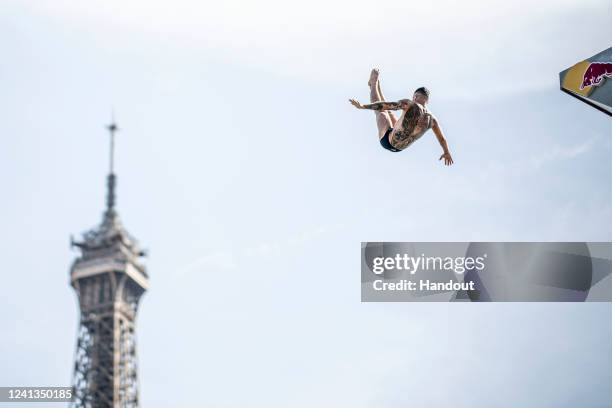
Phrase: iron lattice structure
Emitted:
{"points": [[109, 281]]}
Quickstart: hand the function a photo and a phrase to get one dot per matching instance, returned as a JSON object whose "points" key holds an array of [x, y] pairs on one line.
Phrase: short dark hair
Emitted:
{"points": [[423, 91]]}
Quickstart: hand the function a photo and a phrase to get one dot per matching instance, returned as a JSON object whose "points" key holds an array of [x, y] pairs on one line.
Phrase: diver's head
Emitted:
{"points": [[421, 95]]}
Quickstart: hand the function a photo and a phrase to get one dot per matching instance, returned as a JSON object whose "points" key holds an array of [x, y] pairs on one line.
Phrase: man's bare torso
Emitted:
{"points": [[413, 123]]}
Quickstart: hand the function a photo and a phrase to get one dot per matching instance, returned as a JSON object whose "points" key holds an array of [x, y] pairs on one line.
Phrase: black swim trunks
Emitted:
{"points": [[384, 142]]}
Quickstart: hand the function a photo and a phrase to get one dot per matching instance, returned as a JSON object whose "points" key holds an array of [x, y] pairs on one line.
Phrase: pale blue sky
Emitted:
{"points": [[252, 181]]}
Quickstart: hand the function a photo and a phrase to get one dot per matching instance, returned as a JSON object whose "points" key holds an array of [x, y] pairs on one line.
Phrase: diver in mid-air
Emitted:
{"points": [[397, 134]]}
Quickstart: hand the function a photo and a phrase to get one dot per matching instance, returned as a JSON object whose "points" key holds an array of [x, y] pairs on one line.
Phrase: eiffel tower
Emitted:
{"points": [[109, 281]]}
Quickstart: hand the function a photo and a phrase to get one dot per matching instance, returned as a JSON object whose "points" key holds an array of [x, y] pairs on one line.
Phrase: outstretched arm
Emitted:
{"points": [[382, 106], [448, 160]]}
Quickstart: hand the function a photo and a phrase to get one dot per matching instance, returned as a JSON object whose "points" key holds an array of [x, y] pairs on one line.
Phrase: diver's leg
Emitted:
{"points": [[383, 118], [375, 96], [379, 91], [383, 123], [382, 98]]}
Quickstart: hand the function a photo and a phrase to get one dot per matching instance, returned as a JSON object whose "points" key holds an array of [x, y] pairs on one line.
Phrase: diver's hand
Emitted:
{"points": [[448, 160], [356, 104]]}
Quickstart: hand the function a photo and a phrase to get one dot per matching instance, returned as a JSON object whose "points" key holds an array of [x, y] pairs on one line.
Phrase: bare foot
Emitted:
{"points": [[373, 77]]}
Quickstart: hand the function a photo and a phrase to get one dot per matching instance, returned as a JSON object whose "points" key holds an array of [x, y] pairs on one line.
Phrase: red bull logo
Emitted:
{"points": [[595, 74], [586, 80]]}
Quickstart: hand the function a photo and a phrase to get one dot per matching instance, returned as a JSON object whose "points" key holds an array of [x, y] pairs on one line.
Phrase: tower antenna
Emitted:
{"points": [[110, 198]]}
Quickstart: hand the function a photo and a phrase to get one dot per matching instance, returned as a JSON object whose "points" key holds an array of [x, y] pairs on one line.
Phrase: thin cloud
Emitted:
{"points": [[560, 152], [219, 260], [225, 259]]}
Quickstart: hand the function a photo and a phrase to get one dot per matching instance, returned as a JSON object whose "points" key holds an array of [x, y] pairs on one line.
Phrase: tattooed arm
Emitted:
{"points": [[448, 159], [382, 106]]}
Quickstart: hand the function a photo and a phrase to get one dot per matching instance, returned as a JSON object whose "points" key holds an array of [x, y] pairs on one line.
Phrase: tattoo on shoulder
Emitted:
{"points": [[411, 117]]}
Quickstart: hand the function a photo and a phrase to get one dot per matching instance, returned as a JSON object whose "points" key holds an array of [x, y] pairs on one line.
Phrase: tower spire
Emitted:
{"points": [[111, 178]]}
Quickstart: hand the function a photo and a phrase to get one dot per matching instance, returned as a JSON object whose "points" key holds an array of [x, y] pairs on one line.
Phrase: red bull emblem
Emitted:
{"points": [[595, 74], [586, 80]]}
